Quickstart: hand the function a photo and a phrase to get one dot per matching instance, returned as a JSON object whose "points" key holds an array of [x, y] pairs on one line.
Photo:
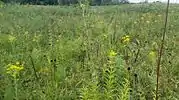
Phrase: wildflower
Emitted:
{"points": [[125, 39], [111, 57], [112, 53], [14, 70]]}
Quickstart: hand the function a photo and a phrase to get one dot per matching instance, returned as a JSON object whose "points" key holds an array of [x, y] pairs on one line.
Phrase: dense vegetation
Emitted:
{"points": [[87, 53], [66, 2]]}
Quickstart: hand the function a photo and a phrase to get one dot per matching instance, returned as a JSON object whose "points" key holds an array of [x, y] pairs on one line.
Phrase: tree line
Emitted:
{"points": [[65, 2]]}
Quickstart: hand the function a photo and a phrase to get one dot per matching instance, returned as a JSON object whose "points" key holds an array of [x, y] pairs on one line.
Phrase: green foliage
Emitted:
{"points": [[65, 2], [87, 53]]}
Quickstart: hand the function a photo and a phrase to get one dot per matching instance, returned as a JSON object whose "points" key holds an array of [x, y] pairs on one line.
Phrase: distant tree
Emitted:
{"points": [[65, 2], [8, 1], [146, 1], [97, 2], [157, 2], [107, 1], [1, 3], [124, 1], [115, 1]]}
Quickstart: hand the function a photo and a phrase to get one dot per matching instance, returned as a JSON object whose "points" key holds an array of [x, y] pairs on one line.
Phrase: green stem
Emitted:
{"points": [[16, 90]]}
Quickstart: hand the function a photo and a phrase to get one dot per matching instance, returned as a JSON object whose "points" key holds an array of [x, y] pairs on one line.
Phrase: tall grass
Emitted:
{"points": [[88, 53]]}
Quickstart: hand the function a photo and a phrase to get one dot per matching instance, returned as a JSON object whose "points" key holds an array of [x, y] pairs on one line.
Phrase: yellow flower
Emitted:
{"points": [[14, 70], [112, 53], [125, 39]]}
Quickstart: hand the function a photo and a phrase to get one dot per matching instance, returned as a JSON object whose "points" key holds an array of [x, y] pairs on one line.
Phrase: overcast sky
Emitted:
{"points": [[172, 1]]}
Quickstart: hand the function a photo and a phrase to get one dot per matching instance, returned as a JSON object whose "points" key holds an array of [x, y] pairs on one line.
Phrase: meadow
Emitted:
{"points": [[88, 53]]}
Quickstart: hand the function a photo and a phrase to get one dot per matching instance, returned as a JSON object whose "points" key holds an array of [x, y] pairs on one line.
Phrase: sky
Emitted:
{"points": [[171, 1]]}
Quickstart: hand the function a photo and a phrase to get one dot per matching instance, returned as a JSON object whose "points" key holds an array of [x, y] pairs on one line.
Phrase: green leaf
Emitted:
{"points": [[9, 93]]}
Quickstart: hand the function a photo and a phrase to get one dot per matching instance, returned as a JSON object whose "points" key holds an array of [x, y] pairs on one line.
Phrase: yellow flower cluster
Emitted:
{"points": [[14, 70], [112, 53], [125, 39]]}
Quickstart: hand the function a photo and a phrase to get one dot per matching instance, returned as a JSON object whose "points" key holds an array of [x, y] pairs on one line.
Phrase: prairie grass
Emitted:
{"points": [[88, 53]]}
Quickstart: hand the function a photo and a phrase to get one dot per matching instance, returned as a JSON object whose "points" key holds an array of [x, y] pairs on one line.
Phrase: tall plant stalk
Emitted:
{"points": [[161, 49]]}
